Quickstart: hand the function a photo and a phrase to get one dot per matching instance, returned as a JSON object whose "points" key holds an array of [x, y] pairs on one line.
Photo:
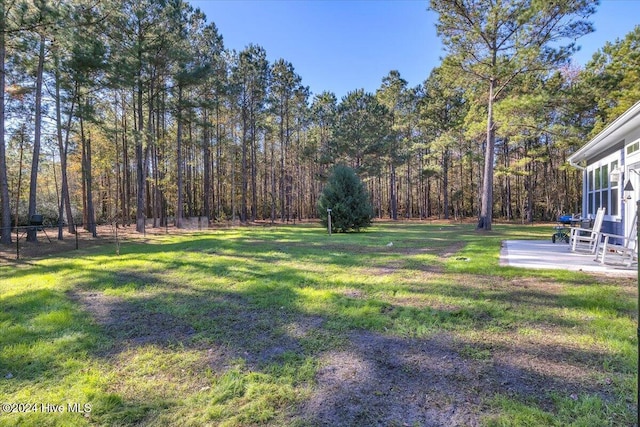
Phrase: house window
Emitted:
{"points": [[601, 191], [632, 148], [615, 193]]}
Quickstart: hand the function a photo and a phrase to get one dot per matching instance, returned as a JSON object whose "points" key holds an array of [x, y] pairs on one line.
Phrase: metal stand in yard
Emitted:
{"points": [[37, 222], [329, 220]]}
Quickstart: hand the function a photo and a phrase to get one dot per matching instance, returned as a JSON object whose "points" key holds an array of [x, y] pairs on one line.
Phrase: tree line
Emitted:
{"points": [[135, 111]]}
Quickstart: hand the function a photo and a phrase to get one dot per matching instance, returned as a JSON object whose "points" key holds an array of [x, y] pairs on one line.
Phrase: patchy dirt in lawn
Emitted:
{"points": [[426, 267], [131, 325], [373, 379], [381, 380], [259, 336], [454, 249]]}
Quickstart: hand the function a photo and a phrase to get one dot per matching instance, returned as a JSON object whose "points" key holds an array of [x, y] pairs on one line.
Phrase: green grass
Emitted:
{"points": [[228, 327]]}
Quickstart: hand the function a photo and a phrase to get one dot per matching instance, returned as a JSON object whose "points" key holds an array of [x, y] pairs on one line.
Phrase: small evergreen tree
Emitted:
{"points": [[348, 200]]}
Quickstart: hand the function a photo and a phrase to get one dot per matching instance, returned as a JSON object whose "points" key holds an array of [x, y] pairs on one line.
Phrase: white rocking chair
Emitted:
{"points": [[616, 249], [587, 239]]}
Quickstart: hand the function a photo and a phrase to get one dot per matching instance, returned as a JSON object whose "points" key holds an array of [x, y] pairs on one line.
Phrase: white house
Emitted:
{"points": [[611, 169]]}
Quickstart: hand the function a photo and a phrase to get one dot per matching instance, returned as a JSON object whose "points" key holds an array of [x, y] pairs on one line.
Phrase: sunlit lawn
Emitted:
{"points": [[228, 327]]}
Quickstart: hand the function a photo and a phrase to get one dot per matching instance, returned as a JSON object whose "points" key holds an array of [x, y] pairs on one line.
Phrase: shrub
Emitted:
{"points": [[348, 200]]}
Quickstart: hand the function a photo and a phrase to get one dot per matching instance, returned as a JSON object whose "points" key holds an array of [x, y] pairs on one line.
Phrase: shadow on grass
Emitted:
{"points": [[369, 379], [364, 375], [264, 325]]}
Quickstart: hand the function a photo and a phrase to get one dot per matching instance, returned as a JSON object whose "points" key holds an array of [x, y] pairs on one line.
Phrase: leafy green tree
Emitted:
{"points": [[347, 197], [87, 68], [28, 25], [190, 68], [284, 84], [63, 96], [442, 112], [522, 121], [249, 78], [301, 160], [612, 78], [493, 43], [138, 50], [323, 112], [396, 97], [5, 225], [320, 135], [211, 48], [362, 127]]}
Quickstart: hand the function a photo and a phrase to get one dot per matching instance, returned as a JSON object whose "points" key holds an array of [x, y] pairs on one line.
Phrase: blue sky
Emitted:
{"points": [[343, 45]]}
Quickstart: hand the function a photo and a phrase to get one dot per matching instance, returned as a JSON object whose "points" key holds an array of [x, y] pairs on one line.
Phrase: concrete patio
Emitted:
{"points": [[540, 254]]}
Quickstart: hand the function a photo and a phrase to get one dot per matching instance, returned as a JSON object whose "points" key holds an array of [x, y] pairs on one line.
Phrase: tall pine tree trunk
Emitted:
{"points": [[392, 192], [486, 209], [63, 148], [218, 200], [141, 177], [191, 176], [206, 154], [117, 197], [409, 209], [149, 154], [244, 166], [126, 173], [90, 221], [283, 150], [254, 169], [5, 225], [156, 211], [272, 168], [33, 183], [179, 168], [445, 182]]}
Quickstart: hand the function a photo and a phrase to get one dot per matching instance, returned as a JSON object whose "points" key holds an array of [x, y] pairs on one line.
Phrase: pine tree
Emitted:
{"points": [[347, 197], [284, 84], [495, 43], [5, 207], [442, 113], [249, 77], [361, 131], [611, 77]]}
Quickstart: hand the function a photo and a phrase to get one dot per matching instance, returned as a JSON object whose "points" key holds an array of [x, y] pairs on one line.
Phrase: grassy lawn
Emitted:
{"points": [[288, 326]]}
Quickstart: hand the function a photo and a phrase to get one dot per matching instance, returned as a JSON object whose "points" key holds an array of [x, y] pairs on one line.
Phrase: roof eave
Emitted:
{"points": [[615, 129]]}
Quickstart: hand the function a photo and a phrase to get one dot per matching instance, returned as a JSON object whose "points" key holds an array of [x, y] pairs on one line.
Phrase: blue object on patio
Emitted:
{"points": [[565, 219]]}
